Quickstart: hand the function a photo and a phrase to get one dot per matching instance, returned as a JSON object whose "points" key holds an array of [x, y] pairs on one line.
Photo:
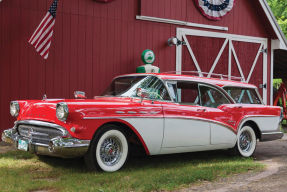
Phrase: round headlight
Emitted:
{"points": [[14, 108], [62, 111]]}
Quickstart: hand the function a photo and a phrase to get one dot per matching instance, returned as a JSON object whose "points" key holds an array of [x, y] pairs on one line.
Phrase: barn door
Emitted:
{"points": [[226, 54]]}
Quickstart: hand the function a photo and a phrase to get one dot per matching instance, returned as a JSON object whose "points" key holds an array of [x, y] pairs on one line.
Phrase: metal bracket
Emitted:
{"points": [[264, 50], [263, 86]]}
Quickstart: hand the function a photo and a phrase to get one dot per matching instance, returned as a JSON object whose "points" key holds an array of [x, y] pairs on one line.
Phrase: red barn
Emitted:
{"points": [[95, 41]]}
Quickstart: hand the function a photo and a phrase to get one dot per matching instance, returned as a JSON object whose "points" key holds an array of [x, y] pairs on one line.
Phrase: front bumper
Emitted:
{"points": [[272, 135], [57, 147]]}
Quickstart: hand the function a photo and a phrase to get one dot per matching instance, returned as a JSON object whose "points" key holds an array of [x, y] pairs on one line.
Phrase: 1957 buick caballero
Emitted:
{"points": [[160, 113]]}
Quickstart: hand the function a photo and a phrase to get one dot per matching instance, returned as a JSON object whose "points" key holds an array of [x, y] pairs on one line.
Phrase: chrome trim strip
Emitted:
{"points": [[101, 117], [270, 133], [39, 144], [132, 112], [143, 112], [120, 112]]}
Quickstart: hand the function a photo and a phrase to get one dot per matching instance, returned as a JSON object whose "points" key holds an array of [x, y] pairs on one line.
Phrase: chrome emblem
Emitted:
{"points": [[30, 132]]}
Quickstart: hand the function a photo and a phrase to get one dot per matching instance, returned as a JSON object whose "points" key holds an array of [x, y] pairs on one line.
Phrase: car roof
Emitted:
{"points": [[218, 82]]}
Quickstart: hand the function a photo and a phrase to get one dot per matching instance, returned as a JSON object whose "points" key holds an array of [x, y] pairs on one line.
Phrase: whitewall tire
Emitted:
{"points": [[245, 143], [109, 149]]}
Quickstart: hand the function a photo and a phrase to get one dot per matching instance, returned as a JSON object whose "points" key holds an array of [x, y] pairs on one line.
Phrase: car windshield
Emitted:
{"points": [[127, 87], [243, 95]]}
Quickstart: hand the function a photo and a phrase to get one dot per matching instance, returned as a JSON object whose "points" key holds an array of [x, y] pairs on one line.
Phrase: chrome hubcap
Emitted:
{"points": [[245, 141], [111, 151]]}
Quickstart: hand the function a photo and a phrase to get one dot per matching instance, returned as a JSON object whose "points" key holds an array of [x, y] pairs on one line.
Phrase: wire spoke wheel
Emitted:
{"points": [[111, 151], [245, 141]]}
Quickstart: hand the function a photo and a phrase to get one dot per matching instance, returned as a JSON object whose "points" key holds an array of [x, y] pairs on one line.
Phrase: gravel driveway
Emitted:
{"points": [[273, 178]]}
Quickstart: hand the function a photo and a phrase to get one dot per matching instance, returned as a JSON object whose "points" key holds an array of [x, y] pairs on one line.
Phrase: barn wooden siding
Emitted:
{"points": [[92, 43]]}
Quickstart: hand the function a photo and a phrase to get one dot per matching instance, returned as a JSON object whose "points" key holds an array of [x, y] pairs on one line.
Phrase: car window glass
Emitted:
{"points": [[173, 91], [243, 95], [127, 87], [211, 97], [187, 93]]}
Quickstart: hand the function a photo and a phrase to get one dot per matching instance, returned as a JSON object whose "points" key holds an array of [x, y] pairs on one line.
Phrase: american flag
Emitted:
{"points": [[41, 39]]}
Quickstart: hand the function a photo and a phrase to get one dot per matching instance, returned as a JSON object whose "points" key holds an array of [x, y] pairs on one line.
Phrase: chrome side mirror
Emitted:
{"points": [[80, 95], [142, 93]]}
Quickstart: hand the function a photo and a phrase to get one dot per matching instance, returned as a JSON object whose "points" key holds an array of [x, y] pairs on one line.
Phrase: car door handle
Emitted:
{"points": [[238, 107], [201, 110]]}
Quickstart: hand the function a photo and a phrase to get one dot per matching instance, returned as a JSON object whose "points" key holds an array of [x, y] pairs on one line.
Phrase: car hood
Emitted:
{"points": [[45, 110]]}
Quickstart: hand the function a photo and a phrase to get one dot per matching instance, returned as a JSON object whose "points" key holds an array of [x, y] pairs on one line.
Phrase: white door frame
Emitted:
{"points": [[181, 35]]}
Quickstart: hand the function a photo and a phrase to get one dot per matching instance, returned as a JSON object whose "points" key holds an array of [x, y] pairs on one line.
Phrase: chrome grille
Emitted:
{"points": [[41, 134]]}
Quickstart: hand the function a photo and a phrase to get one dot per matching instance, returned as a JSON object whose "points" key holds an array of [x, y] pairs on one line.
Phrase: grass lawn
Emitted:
{"points": [[21, 171]]}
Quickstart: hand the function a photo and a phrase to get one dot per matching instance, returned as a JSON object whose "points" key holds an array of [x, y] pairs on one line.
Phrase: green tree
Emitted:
{"points": [[279, 9]]}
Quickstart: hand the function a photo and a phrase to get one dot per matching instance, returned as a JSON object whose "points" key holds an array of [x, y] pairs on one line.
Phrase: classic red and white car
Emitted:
{"points": [[161, 113]]}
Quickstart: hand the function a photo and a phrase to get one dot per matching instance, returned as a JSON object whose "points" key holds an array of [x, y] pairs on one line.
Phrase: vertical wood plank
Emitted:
{"points": [[15, 59], [97, 9], [58, 56], [118, 9], [65, 80], [24, 53], [111, 50], [60, 7], [83, 7], [125, 10], [1, 80], [66, 6], [167, 8], [33, 4], [103, 56], [124, 48], [74, 54], [6, 63], [104, 10], [81, 53], [96, 56], [25, 3], [75, 6], [117, 44], [16, 3], [137, 49], [154, 8], [89, 57], [90, 8], [42, 69], [161, 8], [42, 6], [33, 55], [131, 46]]}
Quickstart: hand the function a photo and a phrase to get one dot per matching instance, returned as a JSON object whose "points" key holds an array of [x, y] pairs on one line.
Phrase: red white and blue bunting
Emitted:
{"points": [[215, 9]]}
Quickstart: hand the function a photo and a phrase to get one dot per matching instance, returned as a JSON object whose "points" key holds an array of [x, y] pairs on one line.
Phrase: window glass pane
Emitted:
{"points": [[211, 97], [188, 93], [127, 87], [243, 95], [173, 91]]}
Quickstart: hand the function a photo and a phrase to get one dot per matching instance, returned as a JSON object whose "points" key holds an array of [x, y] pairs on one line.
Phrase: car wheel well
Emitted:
{"points": [[255, 127], [137, 147]]}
